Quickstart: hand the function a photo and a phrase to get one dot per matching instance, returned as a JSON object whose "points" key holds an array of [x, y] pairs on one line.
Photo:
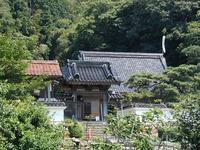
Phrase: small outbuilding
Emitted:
{"points": [[51, 70]]}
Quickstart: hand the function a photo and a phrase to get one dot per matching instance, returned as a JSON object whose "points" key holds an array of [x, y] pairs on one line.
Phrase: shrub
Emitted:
{"points": [[68, 144], [75, 130], [25, 125], [168, 134], [101, 144], [106, 146], [68, 121], [142, 143]]}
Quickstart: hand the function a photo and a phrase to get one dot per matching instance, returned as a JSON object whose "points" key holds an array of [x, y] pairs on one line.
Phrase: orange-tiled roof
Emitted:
{"points": [[50, 68]]}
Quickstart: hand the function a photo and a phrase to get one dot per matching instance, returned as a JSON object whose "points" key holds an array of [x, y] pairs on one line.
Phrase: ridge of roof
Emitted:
{"points": [[120, 54], [87, 62], [44, 62]]}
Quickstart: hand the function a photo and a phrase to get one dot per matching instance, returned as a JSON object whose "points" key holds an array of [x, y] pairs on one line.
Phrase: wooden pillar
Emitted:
{"points": [[105, 105], [122, 109], [75, 105], [49, 89]]}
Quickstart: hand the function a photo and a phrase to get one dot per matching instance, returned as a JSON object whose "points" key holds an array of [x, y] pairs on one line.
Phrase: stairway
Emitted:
{"points": [[97, 127]]}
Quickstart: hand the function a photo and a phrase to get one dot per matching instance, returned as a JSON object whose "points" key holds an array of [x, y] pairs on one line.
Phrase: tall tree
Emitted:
{"points": [[169, 87], [23, 122]]}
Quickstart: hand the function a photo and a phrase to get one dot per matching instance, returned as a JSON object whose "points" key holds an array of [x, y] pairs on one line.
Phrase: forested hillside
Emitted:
{"points": [[57, 29]]}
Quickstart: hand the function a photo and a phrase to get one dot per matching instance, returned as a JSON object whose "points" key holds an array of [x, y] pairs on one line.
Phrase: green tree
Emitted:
{"points": [[13, 54], [60, 28], [191, 47], [23, 122], [25, 125], [131, 130], [192, 53], [6, 20], [136, 26], [169, 87], [187, 119]]}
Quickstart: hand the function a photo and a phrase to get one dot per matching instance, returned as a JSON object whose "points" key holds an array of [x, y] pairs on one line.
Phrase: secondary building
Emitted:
{"points": [[50, 69]]}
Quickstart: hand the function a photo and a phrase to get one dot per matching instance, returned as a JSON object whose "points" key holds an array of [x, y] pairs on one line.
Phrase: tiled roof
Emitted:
{"points": [[50, 68], [115, 95], [89, 72], [127, 64]]}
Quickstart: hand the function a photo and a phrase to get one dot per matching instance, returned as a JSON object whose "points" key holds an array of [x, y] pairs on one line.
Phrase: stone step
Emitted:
{"points": [[97, 128]]}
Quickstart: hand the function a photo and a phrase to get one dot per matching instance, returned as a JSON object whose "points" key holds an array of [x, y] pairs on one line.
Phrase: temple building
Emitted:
{"points": [[88, 83], [85, 88]]}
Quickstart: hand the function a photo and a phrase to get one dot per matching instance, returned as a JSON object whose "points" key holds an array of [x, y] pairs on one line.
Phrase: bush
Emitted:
{"points": [[25, 125], [101, 144], [142, 143], [75, 130], [106, 146], [68, 121], [68, 144], [168, 134]]}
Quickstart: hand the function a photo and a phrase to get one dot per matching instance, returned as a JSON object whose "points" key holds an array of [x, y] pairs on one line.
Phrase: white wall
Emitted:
{"points": [[167, 112], [56, 114]]}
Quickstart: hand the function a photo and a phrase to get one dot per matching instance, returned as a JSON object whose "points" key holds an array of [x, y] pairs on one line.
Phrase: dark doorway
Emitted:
{"points": [[87, 109]]}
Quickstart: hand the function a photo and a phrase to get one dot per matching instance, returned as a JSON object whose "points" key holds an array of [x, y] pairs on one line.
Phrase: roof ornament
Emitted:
{"points": [[75, 70], [107, 72], [163, 44]]}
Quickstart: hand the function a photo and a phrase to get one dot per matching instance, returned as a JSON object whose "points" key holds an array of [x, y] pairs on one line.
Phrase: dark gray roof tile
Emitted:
{"points": [[127, 64], [89, 72]]}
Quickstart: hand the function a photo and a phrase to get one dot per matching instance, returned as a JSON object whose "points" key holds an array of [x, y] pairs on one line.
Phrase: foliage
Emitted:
{"points": [[130, 129], [57, 29], [183, 82], [193, 54], [23, 122], [137, 26], [89, 118], [101, 144], [188, 124], [168, 133], [25, 125], [112, 109], [68, 144], [191, 41], [6, 20], [75, 130], [14, 59], [106, 146], [13, 53], [168, 87], [68, 121], [185, 127]]}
